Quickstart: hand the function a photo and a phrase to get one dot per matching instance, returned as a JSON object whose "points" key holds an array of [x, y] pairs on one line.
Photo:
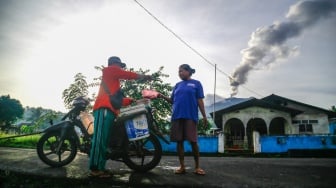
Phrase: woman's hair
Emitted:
{"points": [[188, 68]]}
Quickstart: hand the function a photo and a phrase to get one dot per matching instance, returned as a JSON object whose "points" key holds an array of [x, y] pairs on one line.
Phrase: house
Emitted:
{"points": [[240, 118], [312, 120]]}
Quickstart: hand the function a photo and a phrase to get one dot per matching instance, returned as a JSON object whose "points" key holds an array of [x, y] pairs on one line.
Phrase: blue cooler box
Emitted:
{"points": [[136, 127]]}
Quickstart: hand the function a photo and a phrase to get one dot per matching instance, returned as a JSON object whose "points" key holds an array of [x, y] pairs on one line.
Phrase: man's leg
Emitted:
{"points": [[103, 121]]}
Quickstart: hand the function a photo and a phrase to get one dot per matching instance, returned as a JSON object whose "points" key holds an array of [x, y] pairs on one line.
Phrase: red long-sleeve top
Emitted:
{"points": [[112, 76]]}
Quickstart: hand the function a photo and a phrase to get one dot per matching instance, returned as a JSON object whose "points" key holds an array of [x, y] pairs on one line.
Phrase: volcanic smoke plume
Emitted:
{"points": [[268, 44]]}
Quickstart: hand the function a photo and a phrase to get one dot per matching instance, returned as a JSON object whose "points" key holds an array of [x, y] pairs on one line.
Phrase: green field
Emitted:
{"points": [[19, 142]]}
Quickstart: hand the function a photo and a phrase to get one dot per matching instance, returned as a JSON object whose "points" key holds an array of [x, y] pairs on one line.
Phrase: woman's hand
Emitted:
{"points": [[160, 95], [205, 122]]}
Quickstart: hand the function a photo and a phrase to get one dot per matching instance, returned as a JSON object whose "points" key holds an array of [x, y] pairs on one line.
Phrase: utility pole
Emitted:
{"points": [[214, 97]]}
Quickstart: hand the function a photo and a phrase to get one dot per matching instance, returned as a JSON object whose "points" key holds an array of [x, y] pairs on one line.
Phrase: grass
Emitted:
{"points": [[19, 142]]}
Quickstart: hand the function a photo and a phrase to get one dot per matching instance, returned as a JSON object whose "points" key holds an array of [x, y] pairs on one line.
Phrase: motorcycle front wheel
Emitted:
{"points": [[144, 154], [56, 152]]}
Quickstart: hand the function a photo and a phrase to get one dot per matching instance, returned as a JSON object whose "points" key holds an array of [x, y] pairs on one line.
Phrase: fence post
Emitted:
{"points": [[256, 142], [221, 142]]}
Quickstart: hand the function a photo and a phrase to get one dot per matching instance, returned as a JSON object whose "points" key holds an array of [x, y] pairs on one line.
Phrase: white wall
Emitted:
{"points": [[322, 127], [258, 112]]}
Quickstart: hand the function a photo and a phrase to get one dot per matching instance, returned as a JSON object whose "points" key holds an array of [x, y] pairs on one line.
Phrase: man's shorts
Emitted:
{"points": [[183, 129]]}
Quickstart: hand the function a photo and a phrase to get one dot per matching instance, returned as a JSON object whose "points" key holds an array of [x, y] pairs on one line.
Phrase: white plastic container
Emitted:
{"points": [[132, 110], [87, 119]]}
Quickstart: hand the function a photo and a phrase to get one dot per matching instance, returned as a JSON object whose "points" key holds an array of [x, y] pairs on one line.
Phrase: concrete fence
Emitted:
{"points": [[267, 144], [281, 144], [207, 144]]}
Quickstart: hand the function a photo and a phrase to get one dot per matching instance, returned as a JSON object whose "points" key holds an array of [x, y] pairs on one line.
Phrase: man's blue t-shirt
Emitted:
{"points": [[185, 96]]}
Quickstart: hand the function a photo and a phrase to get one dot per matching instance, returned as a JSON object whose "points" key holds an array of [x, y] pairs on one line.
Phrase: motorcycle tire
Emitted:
{"points": [[47, 146], [143, 155]]}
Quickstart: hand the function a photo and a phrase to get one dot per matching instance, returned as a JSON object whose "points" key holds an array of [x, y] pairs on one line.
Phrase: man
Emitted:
{"points": [[105, 113]]}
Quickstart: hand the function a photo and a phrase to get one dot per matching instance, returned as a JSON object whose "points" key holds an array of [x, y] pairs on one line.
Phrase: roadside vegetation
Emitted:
{"points": [[7, 140]]}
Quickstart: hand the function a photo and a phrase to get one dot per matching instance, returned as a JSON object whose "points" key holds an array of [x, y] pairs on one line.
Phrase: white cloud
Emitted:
{"points": [[74, 37]]}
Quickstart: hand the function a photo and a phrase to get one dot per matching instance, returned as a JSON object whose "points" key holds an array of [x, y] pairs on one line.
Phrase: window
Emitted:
{"points": [[305, 128], [313, 121], [296, 121], [302, 128]]}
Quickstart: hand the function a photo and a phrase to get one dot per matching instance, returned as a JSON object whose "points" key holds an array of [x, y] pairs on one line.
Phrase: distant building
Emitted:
{"points": [[273, 115]]}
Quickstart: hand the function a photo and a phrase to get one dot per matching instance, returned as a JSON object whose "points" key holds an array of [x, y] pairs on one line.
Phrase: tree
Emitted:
{"points": [[47, 117], [133, 88], [333, 108], [26, 129], [10, 111], [76, 89], [201, 128], [35, 113], [35, 119]]}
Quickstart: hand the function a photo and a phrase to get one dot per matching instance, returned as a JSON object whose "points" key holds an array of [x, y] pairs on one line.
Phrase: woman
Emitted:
{"points": [[187, 98]]}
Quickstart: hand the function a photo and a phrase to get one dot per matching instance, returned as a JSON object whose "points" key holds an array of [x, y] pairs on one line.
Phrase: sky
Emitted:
{"points": [[268, 47]]}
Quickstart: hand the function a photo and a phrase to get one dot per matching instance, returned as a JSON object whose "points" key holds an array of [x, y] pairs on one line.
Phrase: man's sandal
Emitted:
{"points": [[180, 171], [99, 174], [199, 171]]}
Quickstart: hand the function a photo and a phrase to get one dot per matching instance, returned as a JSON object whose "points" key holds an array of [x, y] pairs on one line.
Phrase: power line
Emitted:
{"points": [[190, 47]]}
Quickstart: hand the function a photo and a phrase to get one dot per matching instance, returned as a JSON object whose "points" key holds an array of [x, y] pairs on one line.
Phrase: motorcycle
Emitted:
{"points": [[134, 140]]}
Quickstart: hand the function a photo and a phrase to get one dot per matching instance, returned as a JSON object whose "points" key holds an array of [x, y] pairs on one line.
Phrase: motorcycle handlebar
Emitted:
{"points": [[69, 113]]}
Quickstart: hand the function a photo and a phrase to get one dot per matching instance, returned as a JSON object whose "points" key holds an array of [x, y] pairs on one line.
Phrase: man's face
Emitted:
{"points": [[119, 65]]}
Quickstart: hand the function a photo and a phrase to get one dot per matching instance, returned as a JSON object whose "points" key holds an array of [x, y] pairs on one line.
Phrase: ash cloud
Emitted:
{"points": [[268, 44]]}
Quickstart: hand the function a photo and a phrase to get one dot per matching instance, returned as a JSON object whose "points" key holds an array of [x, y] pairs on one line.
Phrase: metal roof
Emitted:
{"points": [[226, 103], [233, 104]]}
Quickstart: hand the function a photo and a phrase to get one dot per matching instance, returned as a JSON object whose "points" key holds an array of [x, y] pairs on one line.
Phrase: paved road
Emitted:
{"points": [[221, 172]]}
